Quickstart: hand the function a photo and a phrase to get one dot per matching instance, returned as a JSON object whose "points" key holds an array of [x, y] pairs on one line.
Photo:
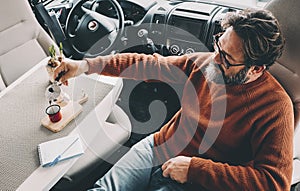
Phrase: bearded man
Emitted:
{"points": [[234, 130]]}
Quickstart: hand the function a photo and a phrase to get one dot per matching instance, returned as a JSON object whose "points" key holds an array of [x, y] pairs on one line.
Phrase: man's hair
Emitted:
{"points": [[261, 35]]}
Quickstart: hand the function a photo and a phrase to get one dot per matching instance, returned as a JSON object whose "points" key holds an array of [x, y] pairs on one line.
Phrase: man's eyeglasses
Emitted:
{"points": [[223, 54]]}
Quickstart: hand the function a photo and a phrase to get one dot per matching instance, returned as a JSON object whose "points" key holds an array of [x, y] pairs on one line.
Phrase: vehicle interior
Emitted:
{"points": [[89, 28]]}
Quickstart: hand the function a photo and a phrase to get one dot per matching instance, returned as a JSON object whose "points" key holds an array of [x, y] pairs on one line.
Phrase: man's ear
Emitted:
{"points": [[258, 69]]}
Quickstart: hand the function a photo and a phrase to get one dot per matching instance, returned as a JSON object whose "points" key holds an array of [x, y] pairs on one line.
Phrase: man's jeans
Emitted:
{"points": [[135, 172]]}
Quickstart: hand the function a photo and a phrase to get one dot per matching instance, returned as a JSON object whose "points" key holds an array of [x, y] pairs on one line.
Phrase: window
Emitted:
{"points": [[239, 3], [245, 3]]}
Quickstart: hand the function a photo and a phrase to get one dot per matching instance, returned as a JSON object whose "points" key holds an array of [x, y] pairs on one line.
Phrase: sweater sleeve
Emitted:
{"points": [[271, 168], [173, 69]]}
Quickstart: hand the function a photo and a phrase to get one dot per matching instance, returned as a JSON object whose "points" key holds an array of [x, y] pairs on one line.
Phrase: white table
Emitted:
{"points": [[21, 131]]}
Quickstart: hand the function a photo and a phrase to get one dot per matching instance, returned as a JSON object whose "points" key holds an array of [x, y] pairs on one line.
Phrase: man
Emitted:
{"points": [[234, 130]]}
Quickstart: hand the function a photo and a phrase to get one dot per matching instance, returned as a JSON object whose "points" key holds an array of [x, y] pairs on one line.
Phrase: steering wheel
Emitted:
{"points": [[91, 33]]}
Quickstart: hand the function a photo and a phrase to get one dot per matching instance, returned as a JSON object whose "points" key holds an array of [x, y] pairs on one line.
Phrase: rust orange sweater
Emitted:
{"points": [[239, 137]]}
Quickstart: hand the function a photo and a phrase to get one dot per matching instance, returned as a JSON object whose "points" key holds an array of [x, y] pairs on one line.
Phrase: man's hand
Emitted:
{"points": [[177, 168], [70, 68]]}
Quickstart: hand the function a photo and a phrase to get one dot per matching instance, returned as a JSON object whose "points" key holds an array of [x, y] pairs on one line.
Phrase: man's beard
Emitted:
{"points": [[215, 73]]}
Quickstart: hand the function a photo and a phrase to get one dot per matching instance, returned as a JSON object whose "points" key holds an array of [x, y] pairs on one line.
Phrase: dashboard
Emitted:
{"points": [[176, 27], [189, 26]]}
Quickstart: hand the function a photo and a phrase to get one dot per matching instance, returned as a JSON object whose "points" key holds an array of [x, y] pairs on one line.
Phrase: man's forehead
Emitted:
{"points": [[231, 43]]}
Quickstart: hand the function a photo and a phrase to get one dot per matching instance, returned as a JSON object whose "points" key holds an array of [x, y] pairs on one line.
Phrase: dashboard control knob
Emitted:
{"points": [[189, 50], [142, 33], [174, 49]]}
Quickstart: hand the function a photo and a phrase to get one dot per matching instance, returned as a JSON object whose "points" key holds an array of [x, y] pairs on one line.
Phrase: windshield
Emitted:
{"points": [[238, 3]]}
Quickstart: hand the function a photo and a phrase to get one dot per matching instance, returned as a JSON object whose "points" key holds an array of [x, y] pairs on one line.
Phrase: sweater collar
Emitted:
{"points": [[251, 85]]}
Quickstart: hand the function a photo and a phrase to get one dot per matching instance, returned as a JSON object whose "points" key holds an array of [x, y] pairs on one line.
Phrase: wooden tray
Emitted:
{"points": [[69, 112]]}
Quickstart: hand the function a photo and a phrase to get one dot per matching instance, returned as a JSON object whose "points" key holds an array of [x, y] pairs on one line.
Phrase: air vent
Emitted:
{"points": [[193, 11]]}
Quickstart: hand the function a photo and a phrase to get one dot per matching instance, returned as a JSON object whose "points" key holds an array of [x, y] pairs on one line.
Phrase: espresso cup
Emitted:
{"points": [[53, 111]]}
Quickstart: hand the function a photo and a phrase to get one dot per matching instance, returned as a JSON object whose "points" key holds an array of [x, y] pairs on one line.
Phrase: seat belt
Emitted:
{"points": [[54, 28]]}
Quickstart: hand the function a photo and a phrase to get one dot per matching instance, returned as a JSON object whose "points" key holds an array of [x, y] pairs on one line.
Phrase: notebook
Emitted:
{"points": [[54, 151]]}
